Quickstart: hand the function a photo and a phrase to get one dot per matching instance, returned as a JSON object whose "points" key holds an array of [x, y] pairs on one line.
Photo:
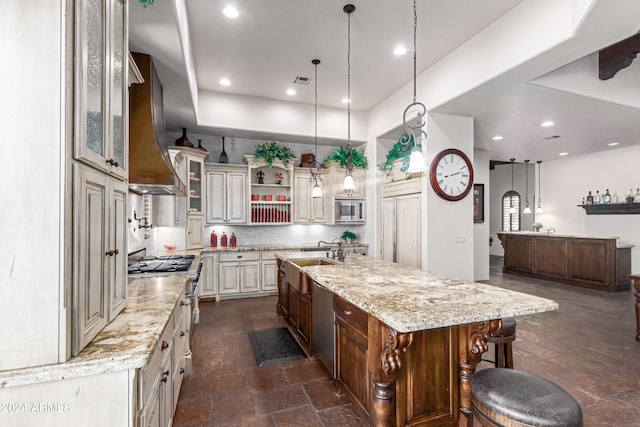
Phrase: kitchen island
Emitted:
{"points": [[590, 262], [407, 341]]}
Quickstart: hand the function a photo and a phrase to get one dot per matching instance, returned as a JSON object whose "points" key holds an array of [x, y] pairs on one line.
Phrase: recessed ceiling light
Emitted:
{"points": [[563, 154], [230, 12], [611, 144], [399, 50], [225, 82], [547, 124], [291, 92], [345, 100], [497, 138]]}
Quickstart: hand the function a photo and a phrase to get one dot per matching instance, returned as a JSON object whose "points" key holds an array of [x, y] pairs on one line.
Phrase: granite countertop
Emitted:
{"points": [[125, 343], [410, 300], [571, 236], [544, 233], [275, 247]]}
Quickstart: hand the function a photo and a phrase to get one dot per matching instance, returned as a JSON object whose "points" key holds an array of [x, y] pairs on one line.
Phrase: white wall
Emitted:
{"points": [[449, 225], [566, 181], [481, 230], [500, 183]]}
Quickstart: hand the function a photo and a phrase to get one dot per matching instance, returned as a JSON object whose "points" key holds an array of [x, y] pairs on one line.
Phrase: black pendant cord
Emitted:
{"points": [[314, 176], [410, 130], [349, 9]]}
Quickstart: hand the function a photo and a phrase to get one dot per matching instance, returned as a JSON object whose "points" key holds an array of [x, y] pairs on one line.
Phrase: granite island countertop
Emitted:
{"points": [[410, 300], [125, 343]]}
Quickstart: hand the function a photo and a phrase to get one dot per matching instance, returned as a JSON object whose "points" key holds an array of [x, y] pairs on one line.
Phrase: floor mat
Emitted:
{"points": [[273, 346]]}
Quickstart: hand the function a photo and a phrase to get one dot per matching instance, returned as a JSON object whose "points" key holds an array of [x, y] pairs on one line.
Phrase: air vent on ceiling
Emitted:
{"points": [[552, 137], [301, 80]]}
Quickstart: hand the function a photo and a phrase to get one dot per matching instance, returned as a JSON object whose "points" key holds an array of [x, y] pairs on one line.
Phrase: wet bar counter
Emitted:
{"points": [[590, 262]]}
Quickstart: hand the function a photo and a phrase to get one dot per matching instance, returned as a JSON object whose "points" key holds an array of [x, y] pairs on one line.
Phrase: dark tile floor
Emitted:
{"points": [[587, 347]]}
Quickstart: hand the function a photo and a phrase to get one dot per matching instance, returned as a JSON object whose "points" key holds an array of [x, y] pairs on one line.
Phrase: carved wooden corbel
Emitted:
{"points": [[618, 56], [395, 345], [471, 350]]}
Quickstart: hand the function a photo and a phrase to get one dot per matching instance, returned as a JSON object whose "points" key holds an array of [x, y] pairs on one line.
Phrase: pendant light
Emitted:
{"points": [[416, 160], [317, 191], [348, 184], [526, 209], [539, 205], [512, 209]]}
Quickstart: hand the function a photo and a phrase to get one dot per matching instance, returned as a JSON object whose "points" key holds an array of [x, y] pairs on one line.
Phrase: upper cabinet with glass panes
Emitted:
{"points": [[101, 89]]}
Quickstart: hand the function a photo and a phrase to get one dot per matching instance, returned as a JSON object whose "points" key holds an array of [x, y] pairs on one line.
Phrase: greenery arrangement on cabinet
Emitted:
{"points": [[349, 236], [400, 150], [271, 150], [340, 155]]}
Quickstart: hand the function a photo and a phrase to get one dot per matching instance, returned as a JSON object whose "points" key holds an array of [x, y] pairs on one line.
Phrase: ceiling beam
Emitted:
{"points": [[618, 56]]}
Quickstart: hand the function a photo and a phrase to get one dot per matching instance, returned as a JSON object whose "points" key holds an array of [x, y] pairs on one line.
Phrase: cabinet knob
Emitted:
{"points": [[348, 312], [181, 333], [165, 345], [182, 370]]}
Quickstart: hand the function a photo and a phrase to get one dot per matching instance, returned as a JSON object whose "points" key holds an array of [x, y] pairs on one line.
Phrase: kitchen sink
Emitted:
{"points": [[295, 277], [304, 262]]}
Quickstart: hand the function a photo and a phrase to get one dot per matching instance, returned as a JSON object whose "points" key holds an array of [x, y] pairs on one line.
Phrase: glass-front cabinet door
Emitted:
{"points": [[101, 100], [195, 186]]}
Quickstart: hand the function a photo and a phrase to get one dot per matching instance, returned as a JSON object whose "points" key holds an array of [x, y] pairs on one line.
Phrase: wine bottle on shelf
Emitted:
{"points": [[607, 197], [589, 198], [630, 197], [615, 198], [636, 199], [596, 198]]}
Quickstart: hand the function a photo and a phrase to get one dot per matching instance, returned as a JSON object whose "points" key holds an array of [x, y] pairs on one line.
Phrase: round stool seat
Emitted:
{"points": [[515, 398]]}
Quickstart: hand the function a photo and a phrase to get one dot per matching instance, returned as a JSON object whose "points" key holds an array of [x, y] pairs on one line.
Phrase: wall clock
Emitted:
{"points": [[451, 174]]}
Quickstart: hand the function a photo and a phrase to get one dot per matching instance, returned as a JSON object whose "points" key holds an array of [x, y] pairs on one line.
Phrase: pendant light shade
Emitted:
{"points": [[348, 184], [526, 209], [412, 131], [317, 191], [512, 209], [539, 205]]}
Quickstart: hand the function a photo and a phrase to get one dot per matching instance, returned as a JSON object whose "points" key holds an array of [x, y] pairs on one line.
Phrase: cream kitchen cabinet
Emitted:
{"points": [[195, 231], [101, 85], [100, 252], [306, 209], [336, 180], [207, 287], [193, 175], [239, 273], [401, 230], [226, 189], [269, 272]]}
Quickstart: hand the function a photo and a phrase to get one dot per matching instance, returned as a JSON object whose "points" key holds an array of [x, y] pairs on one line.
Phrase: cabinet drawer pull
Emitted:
{"points": [[165, 345], [181, 333], [239, 256], [348, 312]]}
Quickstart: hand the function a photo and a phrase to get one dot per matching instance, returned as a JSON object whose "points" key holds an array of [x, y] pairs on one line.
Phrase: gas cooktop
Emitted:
{"points": [[162, 264]]}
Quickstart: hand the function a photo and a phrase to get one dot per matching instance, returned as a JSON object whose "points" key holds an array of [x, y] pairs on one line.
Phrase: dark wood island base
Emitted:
{"points": [[589, 262]]}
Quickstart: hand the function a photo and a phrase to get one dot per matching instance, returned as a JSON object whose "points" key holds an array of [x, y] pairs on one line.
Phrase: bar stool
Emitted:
{"points": [[507, 397], [503, 339]]}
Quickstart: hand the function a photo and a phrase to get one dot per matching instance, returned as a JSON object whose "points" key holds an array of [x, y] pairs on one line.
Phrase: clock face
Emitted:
{"points": [[451, 174]]}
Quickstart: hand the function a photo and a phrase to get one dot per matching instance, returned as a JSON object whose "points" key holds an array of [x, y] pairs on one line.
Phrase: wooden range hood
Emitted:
{"points": [[150, 168]]}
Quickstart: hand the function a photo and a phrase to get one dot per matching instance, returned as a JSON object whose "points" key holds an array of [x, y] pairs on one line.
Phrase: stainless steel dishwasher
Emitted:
{"points": [[323, 323]]}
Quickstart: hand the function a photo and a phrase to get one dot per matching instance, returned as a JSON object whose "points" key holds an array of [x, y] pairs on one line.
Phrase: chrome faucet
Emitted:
{"points": [[335, 253], [551, 230]]}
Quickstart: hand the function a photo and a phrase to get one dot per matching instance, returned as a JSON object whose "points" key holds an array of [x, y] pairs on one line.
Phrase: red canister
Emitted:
{"points": [[214, 239], [223, 240], [233, 240]]}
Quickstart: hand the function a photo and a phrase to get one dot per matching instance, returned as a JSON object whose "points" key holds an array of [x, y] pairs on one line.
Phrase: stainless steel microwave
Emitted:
{"points": [[349, 210]]}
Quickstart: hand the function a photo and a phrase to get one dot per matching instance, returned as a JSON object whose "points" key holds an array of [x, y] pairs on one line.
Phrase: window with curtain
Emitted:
{"points": [[511, 221]]}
